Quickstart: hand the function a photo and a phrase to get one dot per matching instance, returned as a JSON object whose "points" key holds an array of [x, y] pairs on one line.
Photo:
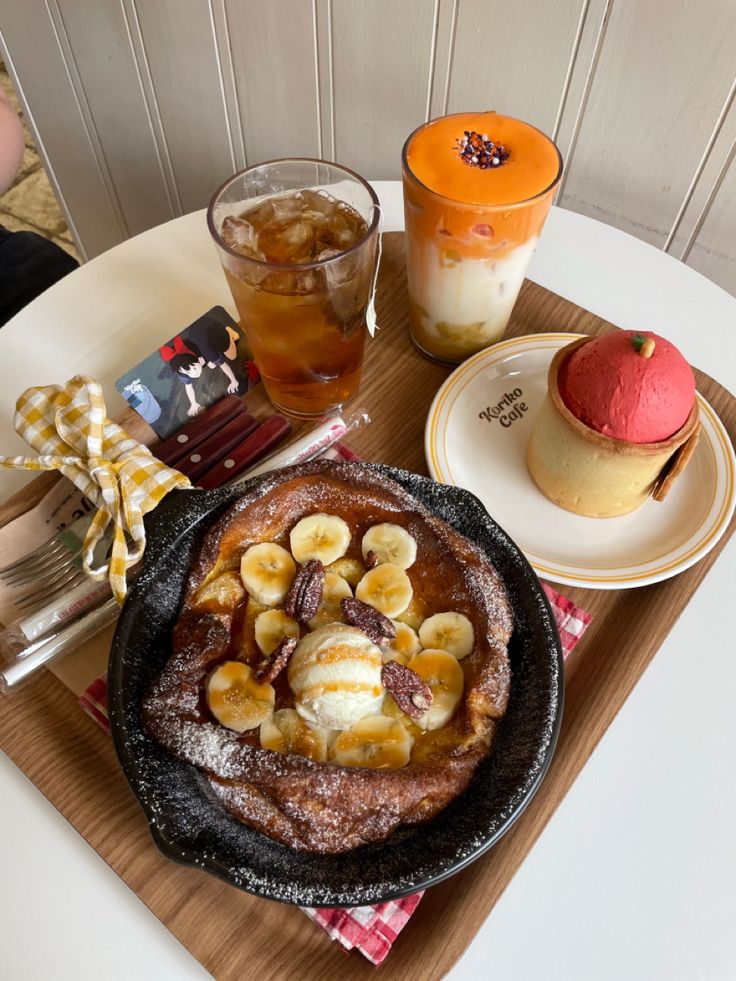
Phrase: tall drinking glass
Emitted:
{"points": [[477, 190], [297, 242]]}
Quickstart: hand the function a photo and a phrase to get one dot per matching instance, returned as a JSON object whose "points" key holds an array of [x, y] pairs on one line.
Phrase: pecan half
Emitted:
{"points": [[410, 693], [371, 559], [371, 621], [271, 667], [305, 594]]}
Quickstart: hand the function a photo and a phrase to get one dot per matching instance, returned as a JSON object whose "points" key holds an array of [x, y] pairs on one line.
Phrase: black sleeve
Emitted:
{"points": [[29, 264]]}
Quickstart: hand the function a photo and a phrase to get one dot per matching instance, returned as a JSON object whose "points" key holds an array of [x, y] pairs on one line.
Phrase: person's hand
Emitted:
{"points": [[194, 410], [11, 143], [233, 388]]}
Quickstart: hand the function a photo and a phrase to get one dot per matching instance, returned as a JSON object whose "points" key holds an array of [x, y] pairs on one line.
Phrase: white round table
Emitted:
{"points": [[633, 877]]}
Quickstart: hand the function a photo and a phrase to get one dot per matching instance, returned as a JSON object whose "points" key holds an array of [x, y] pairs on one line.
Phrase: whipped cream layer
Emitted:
{"points": [[459, 304]]}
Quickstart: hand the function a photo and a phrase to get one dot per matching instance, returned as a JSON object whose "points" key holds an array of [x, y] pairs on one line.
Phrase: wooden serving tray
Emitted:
{"points": [[72, 762]]}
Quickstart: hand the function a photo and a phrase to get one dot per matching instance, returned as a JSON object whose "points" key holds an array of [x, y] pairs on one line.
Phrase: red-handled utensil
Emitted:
{"points": [[257, 445], [217, 447], [183, 442]]}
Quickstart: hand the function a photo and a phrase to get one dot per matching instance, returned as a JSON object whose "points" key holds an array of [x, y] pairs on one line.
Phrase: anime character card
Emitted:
{"points": [[195, 369]]}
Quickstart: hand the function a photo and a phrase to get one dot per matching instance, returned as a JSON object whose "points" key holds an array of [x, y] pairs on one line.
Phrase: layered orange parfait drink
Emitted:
{"points": [[477, 190]]}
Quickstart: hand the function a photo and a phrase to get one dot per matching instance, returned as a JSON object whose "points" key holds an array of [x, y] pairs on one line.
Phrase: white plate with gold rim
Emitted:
{"points": [[476, 436]]}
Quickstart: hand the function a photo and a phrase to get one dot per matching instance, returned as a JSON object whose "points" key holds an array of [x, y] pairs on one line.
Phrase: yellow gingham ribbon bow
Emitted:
{"points": [[69, 428]]}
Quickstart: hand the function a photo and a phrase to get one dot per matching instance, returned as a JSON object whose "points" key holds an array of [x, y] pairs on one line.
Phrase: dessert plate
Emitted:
{"points": [[191, 827], [476, 437]]}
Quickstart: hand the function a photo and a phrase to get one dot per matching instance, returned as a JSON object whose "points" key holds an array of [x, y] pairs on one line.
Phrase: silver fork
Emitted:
{"points": [[47, 571], [51, 555], [44, 578]]}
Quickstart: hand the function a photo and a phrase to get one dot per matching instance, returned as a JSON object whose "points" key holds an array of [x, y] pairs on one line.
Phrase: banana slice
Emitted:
{"points": [[244, 647], [287, 732], [442, 672], [404, 645], [414, 615], [350, 569], [267, 571], [236, 699], [451, 632], [335, 589], [390, 543], [376, 741], [392, 710], [220, 595], [271, 627], [387, 588], [319, 536]]}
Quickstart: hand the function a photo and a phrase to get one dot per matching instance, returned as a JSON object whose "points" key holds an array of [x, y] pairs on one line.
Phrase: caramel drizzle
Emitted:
{"points": [[349, 687]]}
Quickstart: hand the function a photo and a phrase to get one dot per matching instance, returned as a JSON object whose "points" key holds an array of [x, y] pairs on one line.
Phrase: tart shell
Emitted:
{"points": [[593, 474]]}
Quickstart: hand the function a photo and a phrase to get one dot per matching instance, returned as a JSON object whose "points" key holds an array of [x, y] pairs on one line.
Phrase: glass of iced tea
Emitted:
{"points": [[477, 190], [297, 241]]}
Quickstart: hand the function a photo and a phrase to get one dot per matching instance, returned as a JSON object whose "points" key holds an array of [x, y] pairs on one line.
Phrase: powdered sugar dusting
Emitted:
{"points": [[190, 826]]}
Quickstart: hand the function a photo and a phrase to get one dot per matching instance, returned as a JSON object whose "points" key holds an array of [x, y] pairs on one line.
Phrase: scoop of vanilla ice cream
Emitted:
{"points": [[335, 675]]}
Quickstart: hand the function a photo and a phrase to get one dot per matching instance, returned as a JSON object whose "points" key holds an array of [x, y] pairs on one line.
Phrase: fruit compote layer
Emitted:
{"points": [[477, 190]]}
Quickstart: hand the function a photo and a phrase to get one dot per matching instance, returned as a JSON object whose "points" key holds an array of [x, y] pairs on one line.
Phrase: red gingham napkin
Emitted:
{"points": [[373, 929]]}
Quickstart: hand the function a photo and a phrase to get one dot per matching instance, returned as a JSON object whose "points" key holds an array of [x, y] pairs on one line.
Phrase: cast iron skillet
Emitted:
{"points": [[190, 827]]}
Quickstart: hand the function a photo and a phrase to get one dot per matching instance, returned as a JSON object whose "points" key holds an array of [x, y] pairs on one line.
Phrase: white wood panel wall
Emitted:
{"points": [[142, 107]]}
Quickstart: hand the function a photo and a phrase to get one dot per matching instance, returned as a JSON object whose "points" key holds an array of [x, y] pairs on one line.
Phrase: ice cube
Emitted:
{"points": [[356, 222], [337, 232], [299, 282], [319, 201], [297, 233], [327, 254], [240, 235], [295, 228], [287, 240], [260, 214], [287, 207]]}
